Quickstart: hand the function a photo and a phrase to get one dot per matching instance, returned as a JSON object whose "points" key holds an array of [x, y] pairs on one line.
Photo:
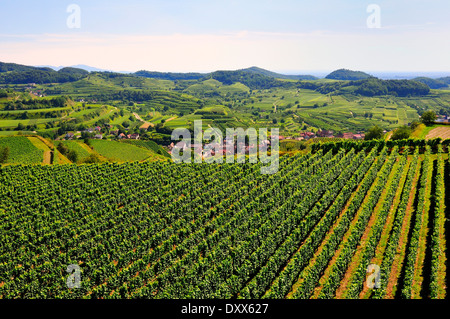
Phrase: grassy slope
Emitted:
{"points": [[123, 152], [294, 109], [150, 145], [21, 150], [42, 146], [430, 132], [78, 148], [94, 84]]}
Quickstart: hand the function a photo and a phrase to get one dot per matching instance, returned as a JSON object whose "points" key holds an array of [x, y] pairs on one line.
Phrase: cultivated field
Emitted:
{"points": [[123, 152], [161, 230], [443, 132], [22, 150]]}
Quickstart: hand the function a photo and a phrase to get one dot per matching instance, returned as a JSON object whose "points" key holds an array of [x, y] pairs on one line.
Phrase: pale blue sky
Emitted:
{"points": [[204, 35]]}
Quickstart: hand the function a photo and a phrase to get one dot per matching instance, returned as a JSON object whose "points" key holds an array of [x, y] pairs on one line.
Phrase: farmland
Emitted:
{"points": [[33, 149], [88, 183], [163, 105], [22, 150], [442, 132], [122, 152], [162, 230]]}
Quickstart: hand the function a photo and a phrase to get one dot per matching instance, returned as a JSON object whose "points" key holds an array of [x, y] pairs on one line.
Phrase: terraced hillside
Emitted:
{"points": [[162, 230]]}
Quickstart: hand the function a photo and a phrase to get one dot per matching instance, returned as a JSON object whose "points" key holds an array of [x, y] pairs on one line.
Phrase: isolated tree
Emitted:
{"points": [[4, 154], [428, 118], [374, 133], [62, 149], [72, 156], [93, 158], [87, 142], [401, 133]]}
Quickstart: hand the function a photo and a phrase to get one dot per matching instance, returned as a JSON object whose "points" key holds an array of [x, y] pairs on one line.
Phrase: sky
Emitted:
{"points": [[289, 36]]}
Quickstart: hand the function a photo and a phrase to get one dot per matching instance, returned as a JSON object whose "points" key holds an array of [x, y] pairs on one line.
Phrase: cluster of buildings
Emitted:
{"points": [[122, 136], [99, 136], [352, 136], [228, 147], [443, 119], [72, 135], [30, 87], [93, 130], [304, 136], [134, 136]]}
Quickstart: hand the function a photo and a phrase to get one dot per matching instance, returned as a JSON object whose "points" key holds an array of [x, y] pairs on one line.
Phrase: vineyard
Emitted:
{"points": [[164, 230]]}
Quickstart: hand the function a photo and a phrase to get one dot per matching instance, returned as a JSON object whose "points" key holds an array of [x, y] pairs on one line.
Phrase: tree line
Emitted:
{"points": [[30, 104]]}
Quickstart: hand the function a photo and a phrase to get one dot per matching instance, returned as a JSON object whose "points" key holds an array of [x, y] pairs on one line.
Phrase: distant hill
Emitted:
{"points": [[369, 87], [445, 80], [170, 76], [11, 73], [257, 70], [432, 83], [75, 71], [348, 75], [90, 68], [78, 66], [254, 81], [197, 76], [13, 67]]}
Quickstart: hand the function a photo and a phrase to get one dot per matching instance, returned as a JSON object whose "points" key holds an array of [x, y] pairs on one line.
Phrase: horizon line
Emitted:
{"points": [[282, 72]]}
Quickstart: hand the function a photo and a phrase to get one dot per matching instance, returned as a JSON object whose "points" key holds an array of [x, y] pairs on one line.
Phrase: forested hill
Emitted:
{"points": [[432, 83], [13, 67], [170, 76], [348, 75], [347, 81], [257, 70], [11, 73], [445, 80], [250, 79], [197, 76], [369, 87]]}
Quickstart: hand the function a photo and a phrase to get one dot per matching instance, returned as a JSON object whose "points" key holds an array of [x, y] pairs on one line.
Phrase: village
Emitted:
{"points": [[231, 146], [98, 134], [227, 146]]}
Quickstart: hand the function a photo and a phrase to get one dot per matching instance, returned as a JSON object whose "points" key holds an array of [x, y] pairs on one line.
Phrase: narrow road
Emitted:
{"points": [[146, 124], [171, 119]]}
